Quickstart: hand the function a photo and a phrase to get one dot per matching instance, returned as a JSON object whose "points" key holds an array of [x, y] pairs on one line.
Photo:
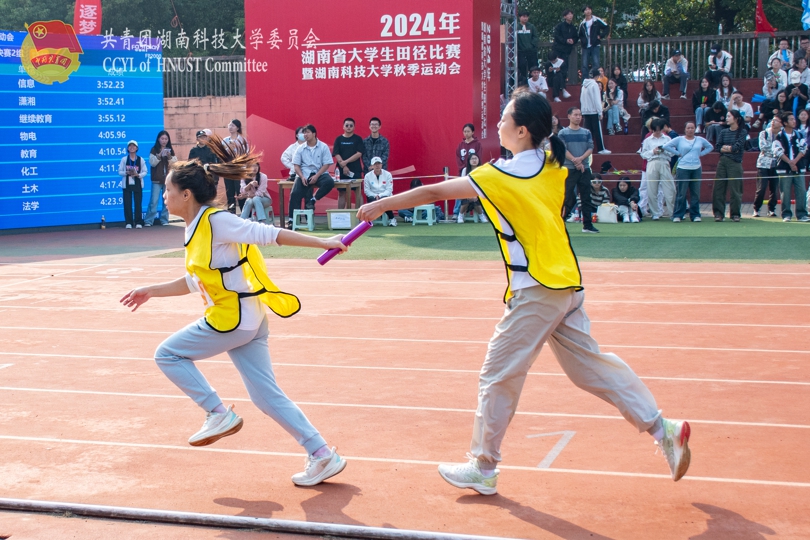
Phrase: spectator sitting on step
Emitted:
{"points": [[715, 120], [802, 51], [473, 161], [556, 76], [796, 93], [702, 101], [655, 110], [625, 197], [647, 95], [613, 99], [747, 112], [777, 106], [725, 90], [621, 82], [719, 64], [537, 83], [775, 71], [783, 53], [601, 78], [377, 184], [676, 71], [801, 68]]}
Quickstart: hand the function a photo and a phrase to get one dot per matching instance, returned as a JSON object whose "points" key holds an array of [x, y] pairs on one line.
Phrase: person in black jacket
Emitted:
{"points": [[655, 110], [565, 38], [625, 196], [527, 44], [591, 31], [702, 101]]}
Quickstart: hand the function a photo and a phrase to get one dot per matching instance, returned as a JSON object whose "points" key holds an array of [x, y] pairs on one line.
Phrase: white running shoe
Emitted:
{"points": [[605, 152], [128, 226], [468, 475], [316, 470], [634, 218], [565, 94], [460, 218], [392, 222], [483, 218], [697, 220], [675, 447], [216, 426], [626, 218], [557, 100], [139, 226]]}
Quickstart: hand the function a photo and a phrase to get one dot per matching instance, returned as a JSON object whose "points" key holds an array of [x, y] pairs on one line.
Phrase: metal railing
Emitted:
{"points": [[642, 59], [204, 76]]}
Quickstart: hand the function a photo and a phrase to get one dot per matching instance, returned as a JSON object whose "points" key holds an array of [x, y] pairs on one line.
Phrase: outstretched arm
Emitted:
{"points": [[292, 238], [458, 188], [136, 297]]}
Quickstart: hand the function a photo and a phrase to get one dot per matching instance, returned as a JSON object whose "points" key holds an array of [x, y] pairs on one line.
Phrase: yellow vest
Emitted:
{"points": [[532, 208], [223, 309]]}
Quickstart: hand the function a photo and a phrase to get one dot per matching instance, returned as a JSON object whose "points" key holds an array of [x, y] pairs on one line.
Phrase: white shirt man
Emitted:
{"points": [[745, 109], [537, 83]]}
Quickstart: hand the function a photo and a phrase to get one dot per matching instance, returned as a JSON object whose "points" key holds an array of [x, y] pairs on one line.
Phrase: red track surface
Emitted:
{"points": [[383, 359]]}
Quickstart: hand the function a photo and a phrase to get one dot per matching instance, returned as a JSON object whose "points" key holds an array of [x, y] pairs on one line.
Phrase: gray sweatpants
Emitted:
{"points": [[249, 353], [533, 316]]}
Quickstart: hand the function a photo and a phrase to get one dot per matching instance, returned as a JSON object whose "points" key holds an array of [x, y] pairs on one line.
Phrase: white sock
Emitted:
{"points": [[487, 473], [657, 429]]}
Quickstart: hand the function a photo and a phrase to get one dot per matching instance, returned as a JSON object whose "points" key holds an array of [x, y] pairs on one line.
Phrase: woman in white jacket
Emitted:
{"points": [[133, 168], [591, 107], [378, 183]]}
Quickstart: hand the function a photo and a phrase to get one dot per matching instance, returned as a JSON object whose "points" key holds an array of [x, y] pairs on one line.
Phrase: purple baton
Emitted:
{"points": [[347, 240]]}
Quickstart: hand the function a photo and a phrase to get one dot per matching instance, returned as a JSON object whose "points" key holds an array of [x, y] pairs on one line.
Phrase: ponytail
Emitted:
{"points": [[557, 149]]}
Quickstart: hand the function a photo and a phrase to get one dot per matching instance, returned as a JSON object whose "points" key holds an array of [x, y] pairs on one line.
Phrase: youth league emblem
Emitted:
{"points": [[50, 52]]}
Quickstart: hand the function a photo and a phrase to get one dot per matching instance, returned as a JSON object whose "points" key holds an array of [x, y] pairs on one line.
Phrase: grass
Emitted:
{"points": [[751, 240]]}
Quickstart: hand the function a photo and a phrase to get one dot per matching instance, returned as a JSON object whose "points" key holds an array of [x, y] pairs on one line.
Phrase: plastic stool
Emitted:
{"points": [[474, 216], [309, 214], [383, 219], [430, 214]]}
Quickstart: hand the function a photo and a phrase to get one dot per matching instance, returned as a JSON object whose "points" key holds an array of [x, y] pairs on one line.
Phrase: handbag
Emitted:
{"points": [[607, 213]]}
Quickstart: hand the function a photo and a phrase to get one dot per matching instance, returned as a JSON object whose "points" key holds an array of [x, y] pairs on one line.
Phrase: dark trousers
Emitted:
{"points": [[590, 61], [767, 179], [591, 123], [526, 60], [727, 178], [680, 81], [556, 81], [324, 183], [232, 188], [579, 182], [687, 181], [136, 194], [388, 213], [564, 68]]}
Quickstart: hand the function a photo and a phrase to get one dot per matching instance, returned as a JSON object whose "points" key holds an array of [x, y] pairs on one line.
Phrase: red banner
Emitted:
{"points": [[54, 35], [762, 24], [87, 17], [424, 67]]}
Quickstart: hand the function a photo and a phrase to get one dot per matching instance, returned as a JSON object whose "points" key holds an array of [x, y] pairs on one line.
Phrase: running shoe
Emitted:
{"points": [[316, 470], [566, 94], [674, 445], [468, 476], [216, 426]]}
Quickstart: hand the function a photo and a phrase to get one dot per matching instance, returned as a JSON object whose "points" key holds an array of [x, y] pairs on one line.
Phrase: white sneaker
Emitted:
{"points": [[566, 95], [392, 222], [786, 219], [483, 218], [656, 218], [557, 100], [804, 219], [316, 470], [572, 218], [634, 218], [216, 426], [128, 226], [605, 151], [626, 218], [675, 447], [676, 220], [697, 220], [468, 475], [460, 218], [408, 219], [139, 226]]}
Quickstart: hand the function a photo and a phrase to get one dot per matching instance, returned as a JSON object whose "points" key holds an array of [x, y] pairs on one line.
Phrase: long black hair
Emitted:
{"points": [[534, 112], [156, 147]]}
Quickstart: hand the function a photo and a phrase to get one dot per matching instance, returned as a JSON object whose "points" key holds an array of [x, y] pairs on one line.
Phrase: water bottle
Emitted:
{"points": [[337, 174], [103, 224]]}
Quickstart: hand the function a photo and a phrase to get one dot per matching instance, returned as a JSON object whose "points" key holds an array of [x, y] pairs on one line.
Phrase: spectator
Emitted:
{"points": [[783, 53], [647, 95], [474, 205], [655, 110], [133, 168], [614, 98], [564, 40], [161, 156], [621, 81], [789, 149], [676, 71], [796, 94], [719, 64], [556, 78], [378, 184], [236, 145], [375, 145], [715, 120], [287, 156], [470, 145], [598, 193], [767, 176], [555, 125], [591, 107], [804, 47], [775, 71], [348, 149], [601, 78], [775, 107], [688, 171], [769, 91], [625, 197], [257, 198], [201, 151], [725, 90], [702, 101], [731, 145], [578, 150], [658, 169], [311, 163], [801, 68], [803, 125], [737, 104], [537, 83], [591, 31], [527, 42]]}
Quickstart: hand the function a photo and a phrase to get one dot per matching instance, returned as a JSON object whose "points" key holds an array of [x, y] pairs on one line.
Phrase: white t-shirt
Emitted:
{"points": [[539, 86], [228, 230], [526, 164], [745, 109]]}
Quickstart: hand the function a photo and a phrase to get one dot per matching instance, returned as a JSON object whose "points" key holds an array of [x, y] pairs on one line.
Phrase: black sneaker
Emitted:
{"points": [[310, 204], [590, 229]]}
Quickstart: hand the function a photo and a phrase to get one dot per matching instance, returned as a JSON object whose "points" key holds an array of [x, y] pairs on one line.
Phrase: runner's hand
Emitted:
{"points": [[136, 297]]}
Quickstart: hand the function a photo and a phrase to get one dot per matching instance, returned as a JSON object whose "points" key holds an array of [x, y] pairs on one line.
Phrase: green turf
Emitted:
{"points": [[755, 240]]}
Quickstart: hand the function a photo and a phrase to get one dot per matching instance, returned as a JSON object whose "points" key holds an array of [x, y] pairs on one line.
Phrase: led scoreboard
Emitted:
{"points": [[68, 106]]}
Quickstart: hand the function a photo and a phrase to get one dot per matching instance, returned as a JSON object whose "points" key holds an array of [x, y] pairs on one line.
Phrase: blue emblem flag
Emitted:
{"points": [[806, 14]]}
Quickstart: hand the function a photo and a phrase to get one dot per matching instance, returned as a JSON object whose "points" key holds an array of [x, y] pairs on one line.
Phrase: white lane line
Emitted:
{"points": [[53, 440], [394, 368], [556, 449], [3, 366], [48, 276], [399, 407]]}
